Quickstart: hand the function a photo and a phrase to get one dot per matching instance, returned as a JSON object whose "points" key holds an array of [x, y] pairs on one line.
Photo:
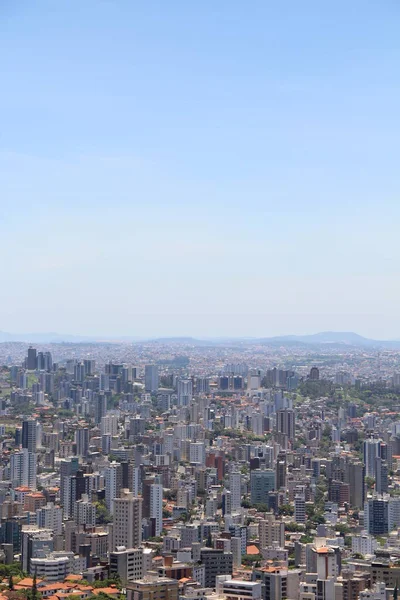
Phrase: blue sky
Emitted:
{"points": [[200, 168]]}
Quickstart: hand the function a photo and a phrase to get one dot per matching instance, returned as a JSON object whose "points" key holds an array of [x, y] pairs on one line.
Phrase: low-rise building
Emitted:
{"points": [[152, 588]]}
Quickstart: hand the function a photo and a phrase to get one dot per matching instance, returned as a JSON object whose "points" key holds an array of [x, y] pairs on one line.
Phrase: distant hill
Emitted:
{"points": [[348, 338], [339, 338]]}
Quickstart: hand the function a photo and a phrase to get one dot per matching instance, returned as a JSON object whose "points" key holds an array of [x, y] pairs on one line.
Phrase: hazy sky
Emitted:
{"points": [[213, 167]]}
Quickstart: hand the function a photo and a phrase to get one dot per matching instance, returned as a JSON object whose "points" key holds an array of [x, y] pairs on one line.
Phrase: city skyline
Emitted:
{"points": [[199, 326], [133, 468]]}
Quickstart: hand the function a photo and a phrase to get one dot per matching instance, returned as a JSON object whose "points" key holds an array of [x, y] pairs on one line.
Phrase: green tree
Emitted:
{"points": [[250, 559], [294, 527], [33, 593], [286, 509], [369, 482], [102, 514], [358, 555], [104, 583], [342, 528], [306, 539], [13, 569], [261, 507]]}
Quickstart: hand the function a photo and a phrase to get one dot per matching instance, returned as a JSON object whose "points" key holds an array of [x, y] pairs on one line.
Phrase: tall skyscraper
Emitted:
{"points": [[68, 468], [151, 378], [372, 450], [261, 482], [82, 442], [79, 372], [40, 361], [147, 482], [376, 516], [48, 361], [113, 484], [109, 425], [156, 501], [29, 435], [299, 508], [185, 392], [23, 466], [355, 477], [202, 385], [235, 486], [99, 407], [90, 366], [285, 423], [281, 471], [130, 477], [31, 361], [381, 476], [104, 382], [75, 486], [127, 523]]}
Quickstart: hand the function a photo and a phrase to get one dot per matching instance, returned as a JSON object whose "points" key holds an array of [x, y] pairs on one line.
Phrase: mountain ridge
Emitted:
{"points": [[346, 338]]}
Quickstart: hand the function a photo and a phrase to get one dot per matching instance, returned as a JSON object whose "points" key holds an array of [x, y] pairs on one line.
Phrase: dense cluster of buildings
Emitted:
{"points": [[168, 482]]}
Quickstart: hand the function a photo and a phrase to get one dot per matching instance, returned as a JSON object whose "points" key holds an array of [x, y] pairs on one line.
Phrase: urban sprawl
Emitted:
{"points": [[185, 470]]}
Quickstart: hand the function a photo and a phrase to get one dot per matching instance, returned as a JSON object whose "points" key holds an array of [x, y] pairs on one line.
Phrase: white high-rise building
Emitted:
{"points": [[325, 562], [185, 392], [235, 486], [113, 484], [197, 453], [109, 425], [127, 563], [168, 440], [257, 424], [23, 466], [181, 431], [271, 532], [363, 543], [50, 517], [127, 523], [372, 450], [85, 511], [135, 480], [156, 501]]}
